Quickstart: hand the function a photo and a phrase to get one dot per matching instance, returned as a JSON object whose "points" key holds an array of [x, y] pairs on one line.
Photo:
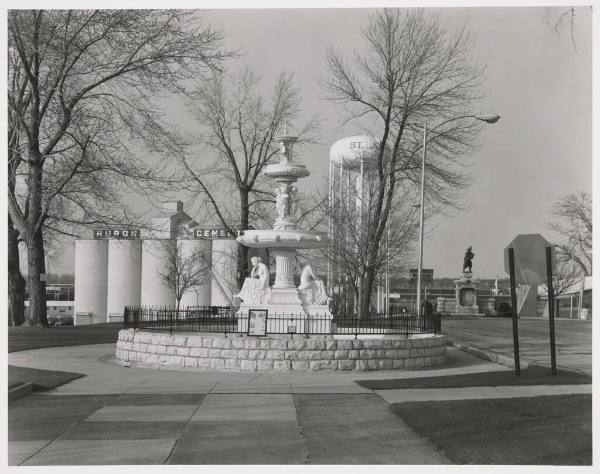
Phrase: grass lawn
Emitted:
{"points": [[42, 379], [22, 338], [529, 376], [549, 430]]}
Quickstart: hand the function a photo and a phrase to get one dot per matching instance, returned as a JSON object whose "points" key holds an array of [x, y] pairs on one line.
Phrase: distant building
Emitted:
{"points": [[573, 303], [60, 304]]}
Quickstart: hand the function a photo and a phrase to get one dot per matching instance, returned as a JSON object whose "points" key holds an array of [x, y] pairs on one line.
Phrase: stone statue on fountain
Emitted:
{"points": [[256, 287], [282, 202], [312, 289]]}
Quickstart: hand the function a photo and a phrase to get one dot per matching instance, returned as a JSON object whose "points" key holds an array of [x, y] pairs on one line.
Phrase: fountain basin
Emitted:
{"points": [[290, 239], [286, 171], [274, 353]]}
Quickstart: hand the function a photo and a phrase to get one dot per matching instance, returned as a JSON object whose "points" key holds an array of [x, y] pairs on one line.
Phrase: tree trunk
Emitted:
{"points": [[16, 282], [242, 263], [365, 292], [37, 289]]}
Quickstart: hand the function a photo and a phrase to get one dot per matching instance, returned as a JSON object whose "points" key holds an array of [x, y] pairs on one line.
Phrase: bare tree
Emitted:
{"points": [[559, 18], [83, 90], [238, 126], [412, 71], [573, 214], [564, 276], [352, 215], [184, 271]]}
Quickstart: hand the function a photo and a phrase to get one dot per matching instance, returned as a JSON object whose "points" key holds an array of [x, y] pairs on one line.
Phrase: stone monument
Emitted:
{"points": [[466, 287], [284, 299]]}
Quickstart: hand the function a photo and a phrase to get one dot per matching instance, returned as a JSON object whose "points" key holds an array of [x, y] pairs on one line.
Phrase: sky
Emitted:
{"points": [[539, 83]]}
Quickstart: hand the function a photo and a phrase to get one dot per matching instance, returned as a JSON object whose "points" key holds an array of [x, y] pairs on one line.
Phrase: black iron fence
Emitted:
{"points": [[189, 319], [220, 319]]}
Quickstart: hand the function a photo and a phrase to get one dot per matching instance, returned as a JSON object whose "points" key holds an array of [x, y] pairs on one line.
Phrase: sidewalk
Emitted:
{"points": [[118, 415]]}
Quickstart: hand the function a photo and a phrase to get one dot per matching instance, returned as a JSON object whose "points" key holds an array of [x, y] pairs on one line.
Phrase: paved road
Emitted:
{"points": [[573, 339]]}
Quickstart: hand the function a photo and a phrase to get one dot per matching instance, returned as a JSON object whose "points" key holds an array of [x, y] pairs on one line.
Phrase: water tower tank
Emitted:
{"points": [[124, 276], [202, 251], [224, 269], [350, 151], [91, 267], [155, 260]]}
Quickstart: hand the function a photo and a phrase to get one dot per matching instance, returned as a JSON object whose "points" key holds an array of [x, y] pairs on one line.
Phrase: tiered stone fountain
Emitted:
{"points": [[304, 308], [284, 298]]}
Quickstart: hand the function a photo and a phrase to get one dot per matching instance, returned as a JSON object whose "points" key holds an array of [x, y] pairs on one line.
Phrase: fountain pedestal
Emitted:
{"points": [[284, 268]]}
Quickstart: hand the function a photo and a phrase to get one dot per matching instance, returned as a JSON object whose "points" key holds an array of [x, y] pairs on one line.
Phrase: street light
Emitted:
{"points": [[490, 118]]}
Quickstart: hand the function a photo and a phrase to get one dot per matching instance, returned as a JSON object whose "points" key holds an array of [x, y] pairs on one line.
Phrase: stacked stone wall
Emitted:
{"points": [[242, 353]]}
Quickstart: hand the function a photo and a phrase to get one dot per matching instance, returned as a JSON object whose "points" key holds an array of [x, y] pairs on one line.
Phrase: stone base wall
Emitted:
{"points": [[242, 353]]}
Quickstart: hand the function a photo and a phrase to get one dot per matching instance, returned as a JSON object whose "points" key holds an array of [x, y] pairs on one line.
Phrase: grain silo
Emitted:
{"points": [[91, 268], [156, 254], [124, 276], [224, 271]]}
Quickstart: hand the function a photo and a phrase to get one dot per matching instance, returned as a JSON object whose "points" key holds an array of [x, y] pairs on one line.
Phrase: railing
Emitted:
{"points": [[220, 319], [190, 319]]}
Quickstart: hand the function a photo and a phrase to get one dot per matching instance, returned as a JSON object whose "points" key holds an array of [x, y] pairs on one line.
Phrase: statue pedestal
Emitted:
{"points": [[466, 294]]}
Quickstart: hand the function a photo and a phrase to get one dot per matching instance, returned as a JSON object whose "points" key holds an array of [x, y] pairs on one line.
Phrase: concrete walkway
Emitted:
{"points": [[118, 415]]}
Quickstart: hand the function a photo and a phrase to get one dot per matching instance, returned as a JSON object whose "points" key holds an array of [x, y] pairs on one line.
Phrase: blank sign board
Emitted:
{"points": [[530, 258]]}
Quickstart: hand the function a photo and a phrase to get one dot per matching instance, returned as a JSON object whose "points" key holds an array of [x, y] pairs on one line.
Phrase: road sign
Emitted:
{"points": [[530, 258]]}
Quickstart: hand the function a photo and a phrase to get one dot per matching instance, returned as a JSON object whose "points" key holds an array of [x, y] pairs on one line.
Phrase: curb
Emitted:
{"points": [[496, 357], [20, 391]]}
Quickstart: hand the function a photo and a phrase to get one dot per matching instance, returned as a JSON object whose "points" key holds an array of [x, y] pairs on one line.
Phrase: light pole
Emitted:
{"points": [[491, 118]]}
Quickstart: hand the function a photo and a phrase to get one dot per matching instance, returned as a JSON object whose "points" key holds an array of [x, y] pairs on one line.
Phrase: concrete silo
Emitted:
{"points": [[155, 261], [201, 253], [124, 276], [224, 272], [91, 269]]}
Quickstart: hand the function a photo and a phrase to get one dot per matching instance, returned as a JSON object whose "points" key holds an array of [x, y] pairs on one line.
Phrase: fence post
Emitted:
{"points": [[171, 321]]}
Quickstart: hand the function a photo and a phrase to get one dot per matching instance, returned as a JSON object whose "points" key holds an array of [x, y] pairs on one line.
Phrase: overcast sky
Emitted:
{"points": [[540, 150]]}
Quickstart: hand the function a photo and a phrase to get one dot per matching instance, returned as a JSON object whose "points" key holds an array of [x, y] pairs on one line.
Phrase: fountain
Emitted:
{"points": [[284, 298], [290, 310]]}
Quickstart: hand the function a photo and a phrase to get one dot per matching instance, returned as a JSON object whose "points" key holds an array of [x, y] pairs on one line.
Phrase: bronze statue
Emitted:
{"points": [[468, 261]]}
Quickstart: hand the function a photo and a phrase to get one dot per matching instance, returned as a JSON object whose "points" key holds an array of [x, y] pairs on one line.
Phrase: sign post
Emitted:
{"points": [[528, 259], [513, 303], [551, 309]]}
